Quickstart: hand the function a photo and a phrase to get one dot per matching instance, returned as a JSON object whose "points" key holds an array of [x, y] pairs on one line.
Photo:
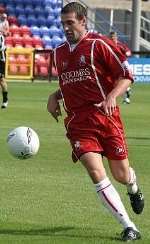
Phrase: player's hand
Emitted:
{"points": [[53, 106], [109, 105]]}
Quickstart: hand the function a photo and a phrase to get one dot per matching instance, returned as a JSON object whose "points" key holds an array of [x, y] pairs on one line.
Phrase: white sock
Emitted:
{"points": [[111, 200], [132, 186]]}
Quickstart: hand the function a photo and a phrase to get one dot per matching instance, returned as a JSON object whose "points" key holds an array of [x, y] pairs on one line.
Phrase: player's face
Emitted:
{"points": [[74, 28], [114, 38]]}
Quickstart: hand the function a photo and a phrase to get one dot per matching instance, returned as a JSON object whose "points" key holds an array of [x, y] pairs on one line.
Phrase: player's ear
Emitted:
{"points": [[84, 21]]}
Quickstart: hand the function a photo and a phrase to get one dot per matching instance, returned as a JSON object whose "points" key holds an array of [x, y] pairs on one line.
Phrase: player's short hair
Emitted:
{"points": [[113, 33], [76, 8]]}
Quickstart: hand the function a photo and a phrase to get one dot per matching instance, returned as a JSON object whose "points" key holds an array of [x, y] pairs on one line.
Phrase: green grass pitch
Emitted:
{"points": [[48, 199]]}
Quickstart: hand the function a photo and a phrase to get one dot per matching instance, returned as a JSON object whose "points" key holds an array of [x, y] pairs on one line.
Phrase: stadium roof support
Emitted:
{"points": [[136, 25]]}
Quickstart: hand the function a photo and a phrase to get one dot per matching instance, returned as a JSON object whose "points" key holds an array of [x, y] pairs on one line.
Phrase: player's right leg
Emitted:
{"points": [[108, 194]]}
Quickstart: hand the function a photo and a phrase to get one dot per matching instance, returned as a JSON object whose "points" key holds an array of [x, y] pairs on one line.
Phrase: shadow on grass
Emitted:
{"points": [[138, 138], [60, 231]]}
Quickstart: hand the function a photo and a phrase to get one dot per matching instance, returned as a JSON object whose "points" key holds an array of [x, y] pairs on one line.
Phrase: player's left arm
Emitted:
{"points": [[117, 67]]}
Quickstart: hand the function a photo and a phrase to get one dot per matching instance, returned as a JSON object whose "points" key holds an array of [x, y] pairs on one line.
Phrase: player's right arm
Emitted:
{"points": [[53, 105]]}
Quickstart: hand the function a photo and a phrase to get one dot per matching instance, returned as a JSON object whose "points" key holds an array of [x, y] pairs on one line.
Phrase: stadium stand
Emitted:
{"points": [[34, 24], [42, 17]]}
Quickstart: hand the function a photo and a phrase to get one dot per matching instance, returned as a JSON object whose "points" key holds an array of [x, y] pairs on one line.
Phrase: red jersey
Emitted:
{"points": [[124, 49], [88, 72]]}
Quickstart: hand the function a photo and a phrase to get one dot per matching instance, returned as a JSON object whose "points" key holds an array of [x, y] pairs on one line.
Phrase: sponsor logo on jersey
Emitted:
{"points": [[75, 76]]}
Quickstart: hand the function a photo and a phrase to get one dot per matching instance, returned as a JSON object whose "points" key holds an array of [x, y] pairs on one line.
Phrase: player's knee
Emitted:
{"points": [[96, 175], [122, 178]]}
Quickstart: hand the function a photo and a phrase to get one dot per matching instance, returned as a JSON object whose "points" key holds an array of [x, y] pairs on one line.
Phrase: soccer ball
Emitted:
{"points": [[23, 142]]}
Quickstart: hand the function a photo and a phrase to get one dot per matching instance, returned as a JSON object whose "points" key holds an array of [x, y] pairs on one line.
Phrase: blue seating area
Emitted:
{"points": [[41, 16]]}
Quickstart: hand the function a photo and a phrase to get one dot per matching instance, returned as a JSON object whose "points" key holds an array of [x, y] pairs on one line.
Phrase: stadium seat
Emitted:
{"points": [[22, 20], [47, 41], [48, 2], [10, 10], [12, 59], [43, 71], [37, 42], [37, 10], [27, 2], [44, 31], [49, 47], [42, 62], [14, 29], [27, 41], [50, 20], [9, 45], [25, 30], [59, 3], [35, 30], [13, 69], [18, 41], [21, 59], [29, 10], [37, 2], [16, 35], [56, 12], [31, 20], [37, 60], [54, 31], [39, 47], [61, 32], [41, 21], [9, 41], [63, 39], [48, 10], [19, 10], [23, 70], [12, 20], [18, 2], [54, 3], [56, 41], [9, 2], [57, 22], [3, 3]]}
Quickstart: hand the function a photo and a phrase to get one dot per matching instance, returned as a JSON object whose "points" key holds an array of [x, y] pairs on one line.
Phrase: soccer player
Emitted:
{"points": [[4, 30], [92, 73], [126, 51]]}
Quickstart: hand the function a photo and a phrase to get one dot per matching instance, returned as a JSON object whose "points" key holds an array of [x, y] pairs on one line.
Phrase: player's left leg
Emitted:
{"points": [[4, 88], [124, 174]]}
